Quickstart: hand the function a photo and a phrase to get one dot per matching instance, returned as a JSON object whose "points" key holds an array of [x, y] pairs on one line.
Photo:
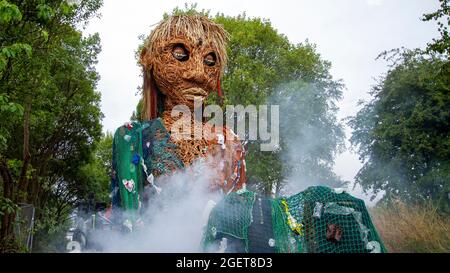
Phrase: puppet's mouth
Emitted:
{"points": [[193, 92]]}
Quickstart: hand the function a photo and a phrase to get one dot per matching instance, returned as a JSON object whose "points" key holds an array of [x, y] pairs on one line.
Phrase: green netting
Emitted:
{"points": [[232, 216], [318, 208], [128, 145], [317, 220], [158, 152], [139, 150], [286, 240]]}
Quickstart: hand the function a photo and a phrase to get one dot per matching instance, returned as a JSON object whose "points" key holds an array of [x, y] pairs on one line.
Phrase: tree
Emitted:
{"points": [[92, 177], [264, 67], [402, 134], [50, 114], [96, 172], [442, 16]]}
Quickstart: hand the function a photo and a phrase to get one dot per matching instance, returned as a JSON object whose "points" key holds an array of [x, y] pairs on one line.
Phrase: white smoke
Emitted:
{"points": [[310, 134], [175, 219]]}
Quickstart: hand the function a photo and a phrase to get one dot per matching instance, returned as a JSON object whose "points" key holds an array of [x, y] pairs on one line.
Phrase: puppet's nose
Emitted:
{"points": [[196, 74]]}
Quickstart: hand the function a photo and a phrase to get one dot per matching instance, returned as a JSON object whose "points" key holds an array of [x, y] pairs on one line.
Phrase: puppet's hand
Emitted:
{"points": [[227, 156]]}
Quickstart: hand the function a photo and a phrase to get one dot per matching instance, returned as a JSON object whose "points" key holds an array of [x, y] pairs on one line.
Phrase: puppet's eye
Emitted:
{"points": [[180, 53], [210, 59]]}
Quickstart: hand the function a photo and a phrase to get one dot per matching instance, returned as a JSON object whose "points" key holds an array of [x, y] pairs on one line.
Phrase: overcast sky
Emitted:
{"points": [[348, 33]]}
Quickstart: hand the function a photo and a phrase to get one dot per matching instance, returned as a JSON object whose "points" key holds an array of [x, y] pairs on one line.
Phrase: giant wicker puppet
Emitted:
{"points": [[183, 58]]}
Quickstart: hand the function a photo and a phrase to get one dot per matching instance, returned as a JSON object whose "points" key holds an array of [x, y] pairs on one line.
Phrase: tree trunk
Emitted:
{"points": [[8, 192], [23, 180]]}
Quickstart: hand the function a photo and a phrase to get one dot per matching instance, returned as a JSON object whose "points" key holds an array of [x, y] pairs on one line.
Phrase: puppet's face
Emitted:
{"points": [[185, 69]]}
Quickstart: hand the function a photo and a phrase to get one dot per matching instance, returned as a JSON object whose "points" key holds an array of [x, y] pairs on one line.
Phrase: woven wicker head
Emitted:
{"points": [[183, 57]]}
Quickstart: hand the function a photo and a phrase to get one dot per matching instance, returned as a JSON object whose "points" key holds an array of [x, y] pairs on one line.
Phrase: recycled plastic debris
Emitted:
{"points": [[316, 220]]}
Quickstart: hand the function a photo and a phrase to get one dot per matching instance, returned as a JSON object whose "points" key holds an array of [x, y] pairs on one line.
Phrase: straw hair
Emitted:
{"points": [[192, 27]]}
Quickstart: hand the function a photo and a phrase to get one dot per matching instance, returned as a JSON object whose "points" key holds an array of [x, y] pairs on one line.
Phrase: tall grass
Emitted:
{"points": [[406, 228]]}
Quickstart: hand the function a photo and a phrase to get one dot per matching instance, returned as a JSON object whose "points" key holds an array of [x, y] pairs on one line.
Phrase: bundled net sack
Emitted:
{"points": [[230, 220], [317, 220]]}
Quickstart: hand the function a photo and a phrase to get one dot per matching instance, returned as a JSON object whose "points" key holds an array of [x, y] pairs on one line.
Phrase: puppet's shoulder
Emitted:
{"points": [[149, 140]]}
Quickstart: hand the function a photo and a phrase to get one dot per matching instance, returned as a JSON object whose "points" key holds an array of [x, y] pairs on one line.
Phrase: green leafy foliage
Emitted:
{"points": [[49, 108], [45, 12], [402, 134], [442, 17], [50, 232], [9, 12], [265, 68], [11, 52], [96, 173], [7, 206], [9, 110]]}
